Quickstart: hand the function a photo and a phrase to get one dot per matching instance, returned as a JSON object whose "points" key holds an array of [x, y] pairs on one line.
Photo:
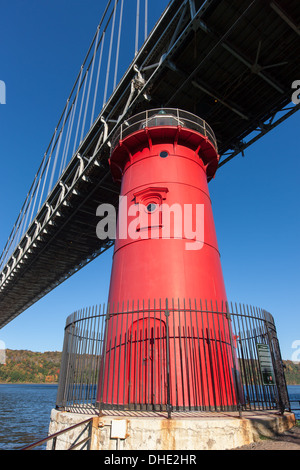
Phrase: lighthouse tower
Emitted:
{"points": [[166, 253]]}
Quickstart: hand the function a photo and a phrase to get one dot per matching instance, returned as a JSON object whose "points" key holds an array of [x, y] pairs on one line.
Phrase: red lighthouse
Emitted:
{"points": [[166, 249]]}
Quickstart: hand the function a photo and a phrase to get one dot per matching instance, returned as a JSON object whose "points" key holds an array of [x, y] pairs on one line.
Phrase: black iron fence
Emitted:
{"points": [[172, 356]]}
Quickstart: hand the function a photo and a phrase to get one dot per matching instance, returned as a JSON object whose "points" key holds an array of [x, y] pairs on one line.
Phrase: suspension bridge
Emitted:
{"points": [[231, 63]]}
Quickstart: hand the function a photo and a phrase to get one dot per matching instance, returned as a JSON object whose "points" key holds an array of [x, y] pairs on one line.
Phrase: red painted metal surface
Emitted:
{"points": [[156, 256]]}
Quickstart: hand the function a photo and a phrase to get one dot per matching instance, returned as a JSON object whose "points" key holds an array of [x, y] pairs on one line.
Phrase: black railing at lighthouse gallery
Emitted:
{"points": [[171, 355]]}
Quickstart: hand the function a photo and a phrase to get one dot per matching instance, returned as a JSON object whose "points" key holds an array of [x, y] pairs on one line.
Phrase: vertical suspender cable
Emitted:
{"points": [[14, 233], [98, 74], [35, 199], [66, 138], [137, 26], [81, 105], [146, 19], [58, 145], [48, 166], [20, 228], [109, 54], [44, 183], [16, 237], [51, 155], [78, 120], [70, 129], [118, 44], [83, 95], [90, 83]]}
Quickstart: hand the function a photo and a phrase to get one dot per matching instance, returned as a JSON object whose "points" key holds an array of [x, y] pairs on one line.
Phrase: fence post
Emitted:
{"points": [[101, 379], [54, 443], [169, 407], [277, 365], [237, 388], [66, 364], [94, 427]]}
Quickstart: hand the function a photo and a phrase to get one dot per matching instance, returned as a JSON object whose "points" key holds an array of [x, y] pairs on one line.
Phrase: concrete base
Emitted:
{"points": [[153, 431]]}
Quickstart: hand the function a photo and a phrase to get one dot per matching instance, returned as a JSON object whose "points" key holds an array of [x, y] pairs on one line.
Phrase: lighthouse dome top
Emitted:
{"points": [[160, 117], [151, 129]]}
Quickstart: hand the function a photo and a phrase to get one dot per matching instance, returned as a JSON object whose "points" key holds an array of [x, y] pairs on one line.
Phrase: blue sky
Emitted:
{"points": [[255, 198]]}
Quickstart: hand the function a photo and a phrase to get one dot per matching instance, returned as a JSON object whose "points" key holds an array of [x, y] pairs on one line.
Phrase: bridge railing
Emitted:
{"points": [[171, 356], [51, 440]]}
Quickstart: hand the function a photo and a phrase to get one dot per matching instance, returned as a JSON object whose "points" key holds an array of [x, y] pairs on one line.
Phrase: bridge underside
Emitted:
{"points": [[230, 62], [65, 244]]}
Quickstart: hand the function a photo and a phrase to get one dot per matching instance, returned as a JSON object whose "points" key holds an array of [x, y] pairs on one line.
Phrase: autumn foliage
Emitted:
{"points": [[23, 366]]}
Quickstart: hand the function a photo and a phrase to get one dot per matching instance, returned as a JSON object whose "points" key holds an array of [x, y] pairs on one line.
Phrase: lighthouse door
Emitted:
{"points": [[146, 363]]}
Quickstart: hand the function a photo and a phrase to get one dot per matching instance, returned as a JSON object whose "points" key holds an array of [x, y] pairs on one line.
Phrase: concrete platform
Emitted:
{"points": [[153, 431]]}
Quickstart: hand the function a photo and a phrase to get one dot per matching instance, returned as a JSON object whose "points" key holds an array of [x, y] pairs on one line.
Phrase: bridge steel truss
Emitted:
{"points": [[232, 63]]}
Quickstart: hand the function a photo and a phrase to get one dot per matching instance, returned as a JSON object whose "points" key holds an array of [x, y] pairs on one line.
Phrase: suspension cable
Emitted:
{"points": [[118, 44], [109, 54], [137, 26]]}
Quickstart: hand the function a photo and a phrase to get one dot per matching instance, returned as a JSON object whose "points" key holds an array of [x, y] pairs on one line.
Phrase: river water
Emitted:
{"points": [[25, 412]]}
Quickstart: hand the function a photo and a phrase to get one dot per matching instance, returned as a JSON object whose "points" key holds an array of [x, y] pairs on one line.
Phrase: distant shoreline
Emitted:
{"points": [[28, 383]]}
